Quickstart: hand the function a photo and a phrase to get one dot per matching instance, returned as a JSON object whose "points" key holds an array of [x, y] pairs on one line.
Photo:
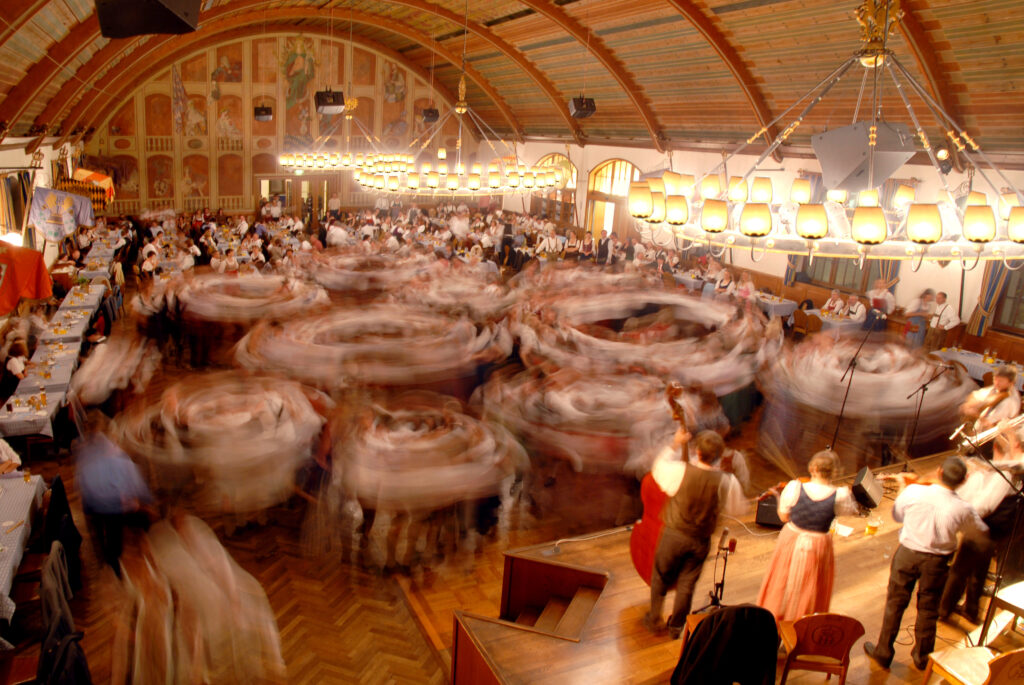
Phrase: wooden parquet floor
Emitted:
{"points": [[338, 624]]}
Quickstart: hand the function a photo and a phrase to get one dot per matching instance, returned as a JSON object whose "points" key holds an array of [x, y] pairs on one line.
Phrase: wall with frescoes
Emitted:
{"points": [[187, 139]]}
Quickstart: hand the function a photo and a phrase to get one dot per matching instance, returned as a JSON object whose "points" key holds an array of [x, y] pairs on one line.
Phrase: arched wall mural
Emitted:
{"points": [[189, 135]]}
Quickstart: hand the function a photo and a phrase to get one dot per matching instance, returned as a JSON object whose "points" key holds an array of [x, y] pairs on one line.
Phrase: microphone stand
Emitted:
{"points": [[923, 388], [850, 368]]}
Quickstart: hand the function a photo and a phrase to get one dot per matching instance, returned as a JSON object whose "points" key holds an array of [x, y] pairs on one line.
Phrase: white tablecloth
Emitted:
{"points": [[975, 364], [18, 500]]}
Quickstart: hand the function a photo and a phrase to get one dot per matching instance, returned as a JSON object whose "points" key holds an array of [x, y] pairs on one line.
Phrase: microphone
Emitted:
{"points": [[958, 431], [723, 543]]}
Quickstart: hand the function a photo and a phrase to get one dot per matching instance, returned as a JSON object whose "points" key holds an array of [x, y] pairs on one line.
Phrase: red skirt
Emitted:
{"points": [[799, 579]]}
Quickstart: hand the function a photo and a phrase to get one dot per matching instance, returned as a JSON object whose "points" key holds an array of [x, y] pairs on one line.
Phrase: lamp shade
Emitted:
{"points": [[977, 199], [903, 197], [737, 189], [1015, 224], [476, 168], [800, 192], [673, 183], [513, 179], [677, 210], [761, 189], [657, 208], [924, 224], [640, 200], [425, 168], [869, 226], [452, 183], [528, 179], [1007, 201], [442, 168], [714, 217], [442, 153], [379, 181], [868, 198], [412, 181], [392, 183], [839, 196], [473, 183], [711, 187], [657, 185], [756, 219], [979, 223], [812, 222], [433, 179], [687, 183], [494, 179]]}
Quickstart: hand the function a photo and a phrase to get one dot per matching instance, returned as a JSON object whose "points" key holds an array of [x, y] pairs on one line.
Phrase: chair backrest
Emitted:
{"points": [[986, 378], [829, 635], [814, 324], [737, 643], [800, 319], [1006, 669]]}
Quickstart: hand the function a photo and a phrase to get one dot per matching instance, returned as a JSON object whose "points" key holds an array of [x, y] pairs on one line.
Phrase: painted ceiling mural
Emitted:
{"points": [[187, 139]]}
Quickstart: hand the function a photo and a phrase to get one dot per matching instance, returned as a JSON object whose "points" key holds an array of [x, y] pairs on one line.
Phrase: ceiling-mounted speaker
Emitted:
{"points": [[844, 154], [126, 18], [581, 108], [329, 102], [430, 115], [263, 113]]}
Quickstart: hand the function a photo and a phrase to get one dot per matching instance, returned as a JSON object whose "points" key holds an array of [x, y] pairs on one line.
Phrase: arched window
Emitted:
{"points": [[607, 198], [559, 203]]}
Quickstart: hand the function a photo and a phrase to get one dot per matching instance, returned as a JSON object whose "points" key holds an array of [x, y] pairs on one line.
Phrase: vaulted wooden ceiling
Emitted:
{"points": [[664, 73]]}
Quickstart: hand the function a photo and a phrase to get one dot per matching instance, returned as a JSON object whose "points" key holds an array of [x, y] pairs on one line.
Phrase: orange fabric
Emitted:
{"points": [[22, 274]]}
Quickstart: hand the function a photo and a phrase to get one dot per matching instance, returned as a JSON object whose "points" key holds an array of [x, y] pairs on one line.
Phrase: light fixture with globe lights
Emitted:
{"points": [[747, 211]]}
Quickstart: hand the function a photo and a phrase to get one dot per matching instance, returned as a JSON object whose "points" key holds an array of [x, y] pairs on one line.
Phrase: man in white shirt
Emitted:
{"points": [[990, 405], [697, 494], [243, 227], [549, 246], [931, 515], [944, 319], [275, 209], [882, 304], [856, 310], [335, 235]]}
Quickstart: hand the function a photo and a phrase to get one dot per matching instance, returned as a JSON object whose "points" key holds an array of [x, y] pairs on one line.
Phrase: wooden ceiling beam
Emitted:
{"points": [[40, 74], [936, 72], [156, 54], [731, 57], [609, 60], [17, 13]]}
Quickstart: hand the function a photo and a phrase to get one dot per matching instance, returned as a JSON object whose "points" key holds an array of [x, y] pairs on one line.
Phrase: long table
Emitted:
{"points": [[776, 307], [86, 297], [18, 501], [67, 326], [975, 364]]}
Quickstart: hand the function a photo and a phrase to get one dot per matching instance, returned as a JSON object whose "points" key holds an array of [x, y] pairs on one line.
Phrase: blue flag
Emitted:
{"points": [[57, 214]]}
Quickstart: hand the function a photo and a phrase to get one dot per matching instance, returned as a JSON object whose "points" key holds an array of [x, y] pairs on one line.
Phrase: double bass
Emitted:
{"points": [[643, 541]]}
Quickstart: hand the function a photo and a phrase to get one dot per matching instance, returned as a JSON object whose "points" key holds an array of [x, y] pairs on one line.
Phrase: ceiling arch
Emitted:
{"points": [[158, 53]]}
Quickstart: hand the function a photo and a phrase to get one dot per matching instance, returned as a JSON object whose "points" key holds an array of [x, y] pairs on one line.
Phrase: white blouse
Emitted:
{"points": [[845, 505]]}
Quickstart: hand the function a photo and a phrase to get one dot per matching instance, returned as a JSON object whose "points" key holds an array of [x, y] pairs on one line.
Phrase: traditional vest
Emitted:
{"points": [[693, 510]]}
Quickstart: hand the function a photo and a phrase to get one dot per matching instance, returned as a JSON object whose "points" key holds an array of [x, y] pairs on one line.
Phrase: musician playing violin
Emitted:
{"points": [[992, 404]]}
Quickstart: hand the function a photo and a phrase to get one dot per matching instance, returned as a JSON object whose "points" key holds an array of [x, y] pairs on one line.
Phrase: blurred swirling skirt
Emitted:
{"points": [[800, 576]]}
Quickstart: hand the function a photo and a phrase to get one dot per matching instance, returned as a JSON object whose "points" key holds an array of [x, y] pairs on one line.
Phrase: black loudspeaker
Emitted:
{"points": [[768, 512], [126, 18], [843, 154], [866, 489], [263, 113], [329, 102], [430, 115], [581, 108]]}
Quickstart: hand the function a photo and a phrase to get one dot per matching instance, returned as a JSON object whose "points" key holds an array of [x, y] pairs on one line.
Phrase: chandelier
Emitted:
{"points": [[741, 211]]}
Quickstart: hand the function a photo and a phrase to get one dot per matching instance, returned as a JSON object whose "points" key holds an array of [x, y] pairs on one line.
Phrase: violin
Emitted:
{"points": [[643, 541]]}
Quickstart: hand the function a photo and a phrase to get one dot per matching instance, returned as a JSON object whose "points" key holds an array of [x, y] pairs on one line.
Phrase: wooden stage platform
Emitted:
{"points": [[613, 645]]}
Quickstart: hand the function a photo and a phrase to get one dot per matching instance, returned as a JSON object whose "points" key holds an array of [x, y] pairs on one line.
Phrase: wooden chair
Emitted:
{"points": [[820, 642], [976, 666], [814, 323], [986, 378], [799, 322]]}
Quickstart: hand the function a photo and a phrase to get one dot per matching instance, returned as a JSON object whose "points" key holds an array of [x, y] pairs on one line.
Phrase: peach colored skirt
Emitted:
{"points": [[799, 578]]}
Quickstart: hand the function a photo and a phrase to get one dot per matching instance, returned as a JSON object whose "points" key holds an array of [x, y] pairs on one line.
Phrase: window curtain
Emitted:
{"points": [[888, 270], [991, 289], [794, 265]]}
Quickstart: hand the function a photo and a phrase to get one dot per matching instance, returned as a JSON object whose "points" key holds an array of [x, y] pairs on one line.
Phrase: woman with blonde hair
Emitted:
{"points": [[800, 576]]}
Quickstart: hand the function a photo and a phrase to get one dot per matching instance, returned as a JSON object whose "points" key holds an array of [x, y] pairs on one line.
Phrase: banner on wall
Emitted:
{"points": [[96, 178], [57, 214]]}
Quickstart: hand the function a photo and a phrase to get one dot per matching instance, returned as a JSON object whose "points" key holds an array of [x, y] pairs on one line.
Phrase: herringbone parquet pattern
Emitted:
{"points": [[338, 624]]}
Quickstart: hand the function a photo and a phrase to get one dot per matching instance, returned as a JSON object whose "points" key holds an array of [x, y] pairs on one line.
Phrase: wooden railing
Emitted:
{"points": [[229, 144], [159, 143]]}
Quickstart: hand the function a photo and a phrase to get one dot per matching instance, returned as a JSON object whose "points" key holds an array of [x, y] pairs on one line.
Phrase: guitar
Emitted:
{"points": [[643, 541]]}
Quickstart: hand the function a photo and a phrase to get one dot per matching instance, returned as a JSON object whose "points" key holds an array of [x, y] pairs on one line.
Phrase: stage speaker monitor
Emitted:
{"points": [[768, 512], [843, 154], [126, 18], [329, 102], [866, 489], [581, 108], [430, 115]]}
